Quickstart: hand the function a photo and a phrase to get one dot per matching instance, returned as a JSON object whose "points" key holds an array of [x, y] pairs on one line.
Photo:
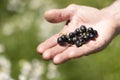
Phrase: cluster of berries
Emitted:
{"points": [[79, 37]]}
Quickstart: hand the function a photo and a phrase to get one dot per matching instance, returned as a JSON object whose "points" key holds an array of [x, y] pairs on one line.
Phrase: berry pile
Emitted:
{"points": [[79, 37]]}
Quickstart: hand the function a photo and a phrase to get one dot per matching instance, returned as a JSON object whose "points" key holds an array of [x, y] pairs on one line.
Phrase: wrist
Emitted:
{"points": [[113, 13]]}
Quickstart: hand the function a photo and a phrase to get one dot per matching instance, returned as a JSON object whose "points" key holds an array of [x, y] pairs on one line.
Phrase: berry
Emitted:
{"points": [[60, 41], [81, 34], [71, 34], [78, 43], [69, 40], [90, 30], [88, 35], [64, 37], [83, 28], [92, 36], [82, 40], [77, 31], [95, 33], [75, 39], [85, 37]]}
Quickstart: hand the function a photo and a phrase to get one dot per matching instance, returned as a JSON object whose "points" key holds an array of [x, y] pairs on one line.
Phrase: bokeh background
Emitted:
{"points": [[23, 27]]}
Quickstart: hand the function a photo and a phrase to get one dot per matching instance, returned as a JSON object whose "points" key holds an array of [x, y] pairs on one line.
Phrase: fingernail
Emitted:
{"points": [[40, 50], [56, 60], [46, 56]]}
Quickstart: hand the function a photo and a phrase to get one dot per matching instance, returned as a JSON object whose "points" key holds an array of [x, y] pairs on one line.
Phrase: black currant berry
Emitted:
{"points": [[95, 33], [85, 37], [69, 40], [71, 34], [92, 36], [75, 39], [77, 31], [60, 41], [78, 43], [83, 28], [90, 30], [88, 35], [81, 34], [82, 40], [64, 37]]}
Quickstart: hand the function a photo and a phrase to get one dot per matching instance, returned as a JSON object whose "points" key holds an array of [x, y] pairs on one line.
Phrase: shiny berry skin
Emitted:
{"points": [[82, 40], [85, 37], [95, 33], [83, 28], [77, 31], [88, 35], [69, 40], [92, 36], [78, 43], [81, 34], [75, 39], [64, 37], [90, 30], [60, 41], [71, 34]]}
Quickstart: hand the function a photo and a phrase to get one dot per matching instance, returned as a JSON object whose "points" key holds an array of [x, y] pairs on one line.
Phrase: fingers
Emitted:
{"points": [[73, 52], [50, 53], [47, 44], [58, 15], [70, 53]]}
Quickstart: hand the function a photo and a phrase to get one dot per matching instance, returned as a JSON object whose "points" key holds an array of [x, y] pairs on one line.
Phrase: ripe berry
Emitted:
{"points": [[69, 40], [75, 39], [90, 30], [77, 31], [78, 43], [95, 33], [82, 40], [85, 37], [92, 36], [64, 37], [88, 35], [81, 34], [71, 34], [83, 28], [60, 41]]}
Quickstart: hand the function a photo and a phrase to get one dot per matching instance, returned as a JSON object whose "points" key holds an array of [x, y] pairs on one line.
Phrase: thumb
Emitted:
{"points": [[58, 15]]}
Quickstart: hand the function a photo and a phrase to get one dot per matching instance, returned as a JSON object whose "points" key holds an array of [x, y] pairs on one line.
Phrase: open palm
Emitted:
{"points": [[75, 16]]}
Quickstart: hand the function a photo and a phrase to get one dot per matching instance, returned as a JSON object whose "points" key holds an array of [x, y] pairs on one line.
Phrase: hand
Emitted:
{"points": [[75, 16]]}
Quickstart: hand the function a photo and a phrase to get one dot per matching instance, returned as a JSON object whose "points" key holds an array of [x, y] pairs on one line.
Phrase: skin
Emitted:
{"points": [[105, 21]]}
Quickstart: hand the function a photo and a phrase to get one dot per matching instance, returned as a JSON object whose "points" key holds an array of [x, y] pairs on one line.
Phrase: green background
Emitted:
{"points": [[21, 42]]}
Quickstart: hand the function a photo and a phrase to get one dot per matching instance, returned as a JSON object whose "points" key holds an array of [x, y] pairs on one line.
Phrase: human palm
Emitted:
{"points": [[75, 16]]}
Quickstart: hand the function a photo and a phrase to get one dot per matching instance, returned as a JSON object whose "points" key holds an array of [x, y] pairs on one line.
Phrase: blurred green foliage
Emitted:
{"points": [[22, 42], [95, 3]]}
